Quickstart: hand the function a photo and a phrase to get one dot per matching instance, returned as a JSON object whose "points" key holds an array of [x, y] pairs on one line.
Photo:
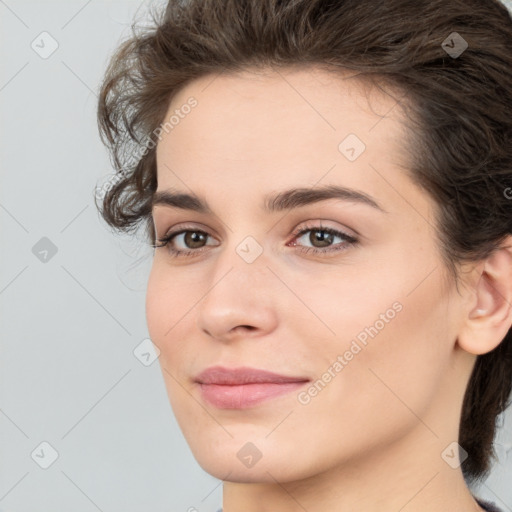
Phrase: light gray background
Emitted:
{"points": [[70, 324]]}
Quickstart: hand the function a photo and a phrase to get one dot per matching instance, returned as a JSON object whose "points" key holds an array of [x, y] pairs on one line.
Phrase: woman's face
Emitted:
{"points": [[368, 323]]}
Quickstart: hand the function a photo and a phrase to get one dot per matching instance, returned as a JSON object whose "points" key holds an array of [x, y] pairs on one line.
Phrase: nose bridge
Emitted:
{"points": [[238, 291], [239, 271]]}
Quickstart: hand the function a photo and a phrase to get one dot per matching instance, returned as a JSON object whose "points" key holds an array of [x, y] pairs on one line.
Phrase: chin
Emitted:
{"points": [[235, 472]]}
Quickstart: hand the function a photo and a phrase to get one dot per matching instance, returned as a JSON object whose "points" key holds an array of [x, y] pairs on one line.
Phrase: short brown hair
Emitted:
{"points": [[460, 119]]}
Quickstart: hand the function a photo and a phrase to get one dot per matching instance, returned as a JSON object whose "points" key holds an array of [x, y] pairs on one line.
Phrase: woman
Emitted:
{"points": [[328, 188]]}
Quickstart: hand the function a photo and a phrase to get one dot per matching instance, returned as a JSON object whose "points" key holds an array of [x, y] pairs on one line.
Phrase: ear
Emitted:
{"points": [[488, 315]]}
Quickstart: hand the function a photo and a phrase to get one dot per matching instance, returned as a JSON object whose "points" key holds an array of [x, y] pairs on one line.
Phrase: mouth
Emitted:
{"points": [[244, 387]]}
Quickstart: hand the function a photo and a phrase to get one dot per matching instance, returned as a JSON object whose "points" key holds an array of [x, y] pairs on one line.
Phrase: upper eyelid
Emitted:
{"points": [[296, 232], [199, 226], [177, 230]]}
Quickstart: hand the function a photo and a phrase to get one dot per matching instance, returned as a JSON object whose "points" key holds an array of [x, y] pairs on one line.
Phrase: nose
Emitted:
{"points": [[240, 301]]}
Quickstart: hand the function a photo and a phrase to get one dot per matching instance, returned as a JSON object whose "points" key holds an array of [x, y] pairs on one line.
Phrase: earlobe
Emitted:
{"points": [[489, 317]]}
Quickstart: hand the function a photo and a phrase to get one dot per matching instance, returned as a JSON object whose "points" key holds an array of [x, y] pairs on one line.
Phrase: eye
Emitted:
{"points": [[192, 238], [322, 239]]}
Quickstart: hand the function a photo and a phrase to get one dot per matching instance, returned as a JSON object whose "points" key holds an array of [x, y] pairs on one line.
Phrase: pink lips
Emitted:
{"points": [[239, 388]]}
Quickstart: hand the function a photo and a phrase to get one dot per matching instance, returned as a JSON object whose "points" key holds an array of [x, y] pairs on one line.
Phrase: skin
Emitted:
{"points": [[373, 438]]}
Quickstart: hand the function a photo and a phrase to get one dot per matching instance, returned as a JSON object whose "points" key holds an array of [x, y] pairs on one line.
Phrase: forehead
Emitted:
{"points": [[280, 125]]}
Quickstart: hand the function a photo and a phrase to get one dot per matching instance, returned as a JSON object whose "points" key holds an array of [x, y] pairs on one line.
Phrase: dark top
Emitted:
{"points": [[487, 505]]}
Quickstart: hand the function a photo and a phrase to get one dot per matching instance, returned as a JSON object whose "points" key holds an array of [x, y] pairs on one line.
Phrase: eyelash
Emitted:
{"points": [[349, 241]]}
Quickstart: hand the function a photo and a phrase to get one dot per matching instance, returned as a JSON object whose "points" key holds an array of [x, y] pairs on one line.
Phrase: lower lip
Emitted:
{"points": [[245, 395]]}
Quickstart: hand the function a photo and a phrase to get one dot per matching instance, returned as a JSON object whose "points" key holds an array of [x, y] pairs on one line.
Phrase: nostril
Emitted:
{"points": [[248, 327]]}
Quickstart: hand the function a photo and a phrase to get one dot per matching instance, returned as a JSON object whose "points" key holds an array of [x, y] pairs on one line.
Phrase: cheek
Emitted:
{"points": [[165, 310], [392, 330], [155, 305], [170, 305], [167, 301], [375, 399]]}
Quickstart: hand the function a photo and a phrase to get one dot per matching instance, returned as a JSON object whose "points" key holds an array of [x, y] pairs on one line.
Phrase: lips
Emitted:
{"points": [[240, 388], [243, 375]]}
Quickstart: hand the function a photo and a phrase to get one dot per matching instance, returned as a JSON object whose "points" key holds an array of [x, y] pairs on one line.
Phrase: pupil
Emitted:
{"points": [[193, 237], [326, 237]]}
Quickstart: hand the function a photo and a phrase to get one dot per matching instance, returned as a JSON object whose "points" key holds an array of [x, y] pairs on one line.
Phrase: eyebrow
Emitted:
{"points": [[274, 202]]}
